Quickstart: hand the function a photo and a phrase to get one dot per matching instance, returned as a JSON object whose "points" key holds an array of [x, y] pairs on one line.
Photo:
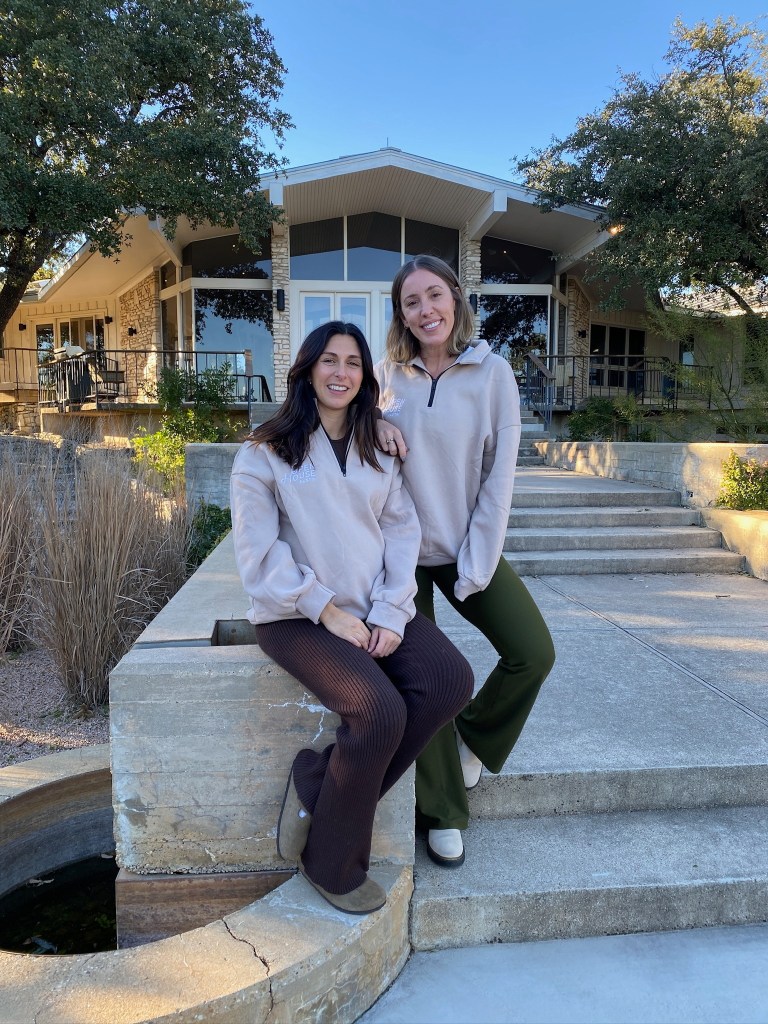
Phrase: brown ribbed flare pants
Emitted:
{"points": [[389, 708]]}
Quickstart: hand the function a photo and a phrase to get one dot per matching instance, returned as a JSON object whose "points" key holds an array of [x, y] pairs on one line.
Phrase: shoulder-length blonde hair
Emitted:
{"points": [[402, 346]]}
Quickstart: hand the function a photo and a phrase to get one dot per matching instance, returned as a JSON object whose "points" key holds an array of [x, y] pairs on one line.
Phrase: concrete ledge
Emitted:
{"points": [[695, 470], [286, 959], [745, 532]]}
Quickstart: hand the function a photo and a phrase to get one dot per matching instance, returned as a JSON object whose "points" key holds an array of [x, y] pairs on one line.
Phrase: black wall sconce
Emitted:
{"points": [[132, 331], [280, 300], [582, 334], [22, 327], [473, 302], [107, 319]]}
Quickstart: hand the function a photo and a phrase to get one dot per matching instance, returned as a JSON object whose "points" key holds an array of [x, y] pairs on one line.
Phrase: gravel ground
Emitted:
{"points": [[36, 714]]}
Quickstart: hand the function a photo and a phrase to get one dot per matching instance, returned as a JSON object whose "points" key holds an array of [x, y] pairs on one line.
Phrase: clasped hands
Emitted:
{"points": [[378, 642]]}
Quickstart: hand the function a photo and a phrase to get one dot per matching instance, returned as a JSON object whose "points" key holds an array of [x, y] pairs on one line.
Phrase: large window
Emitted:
{"points": [[617, 357], [235, 321], [317, 251], [373, 247], [505, 262], [514, 324], [373, 250], [226, 256]]}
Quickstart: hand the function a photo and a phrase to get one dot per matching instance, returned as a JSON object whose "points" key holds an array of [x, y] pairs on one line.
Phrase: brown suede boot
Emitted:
{"points": [[366, 898], [293, 824]]}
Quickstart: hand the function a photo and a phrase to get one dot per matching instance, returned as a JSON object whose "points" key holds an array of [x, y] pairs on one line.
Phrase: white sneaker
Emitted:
{"points": [[446, 847], [471, 766]]}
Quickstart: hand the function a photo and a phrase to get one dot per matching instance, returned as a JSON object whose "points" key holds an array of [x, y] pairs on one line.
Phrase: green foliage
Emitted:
{"points": [[731, 375], [677, 165], [744, 485], [108, 107], [162, 455], [609, 419], [210, 525], [208, 393]]}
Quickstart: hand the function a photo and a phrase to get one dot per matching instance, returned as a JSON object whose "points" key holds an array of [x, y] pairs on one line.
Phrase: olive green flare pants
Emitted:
{"points": [[492, 721]]}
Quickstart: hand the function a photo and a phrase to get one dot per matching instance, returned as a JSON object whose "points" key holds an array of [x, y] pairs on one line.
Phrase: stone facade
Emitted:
{"points": [[140, 311], [281, 322], [577, 341], [470, 273]]}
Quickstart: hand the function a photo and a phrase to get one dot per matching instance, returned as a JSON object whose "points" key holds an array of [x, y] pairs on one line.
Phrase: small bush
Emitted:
{"points": [[162, 455], [210, 525], [17, 551], [110, 558], [744, 485], [595, 422]]}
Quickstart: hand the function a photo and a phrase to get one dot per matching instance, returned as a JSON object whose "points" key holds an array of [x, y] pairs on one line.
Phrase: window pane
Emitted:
{"points": [[503, 262], [317, 311], [617, 341], [44, 341], [433, 241], [637, 343], [514, 324], [597, 339], [226, 256], [229, 321], [167, 275], [317, 251], [373, 247], [170, 324], [353, 309]]}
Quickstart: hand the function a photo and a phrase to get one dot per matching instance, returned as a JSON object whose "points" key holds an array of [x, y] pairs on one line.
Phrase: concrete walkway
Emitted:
{"points": [[654, 672]]}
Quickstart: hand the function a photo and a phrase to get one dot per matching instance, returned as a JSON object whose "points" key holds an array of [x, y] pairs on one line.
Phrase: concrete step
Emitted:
{"points": [[608, 515], [588, 538], [602, 874], [525, 794], [530, 460], [530, 496], [641, 560]]}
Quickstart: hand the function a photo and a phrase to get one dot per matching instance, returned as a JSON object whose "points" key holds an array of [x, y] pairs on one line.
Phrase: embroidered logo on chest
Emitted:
{"points": [[393, 409], [300, 476]]}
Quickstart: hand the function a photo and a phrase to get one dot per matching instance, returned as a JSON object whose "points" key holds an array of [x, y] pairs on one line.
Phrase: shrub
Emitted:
{"points": [[161, 455], [17, 550], [744, 485], [595, 422], [111, 556], [210, 525]]}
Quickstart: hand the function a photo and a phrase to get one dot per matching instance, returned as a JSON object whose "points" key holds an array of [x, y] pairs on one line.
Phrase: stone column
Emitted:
{"points": [[469, 266], [281, 322]]}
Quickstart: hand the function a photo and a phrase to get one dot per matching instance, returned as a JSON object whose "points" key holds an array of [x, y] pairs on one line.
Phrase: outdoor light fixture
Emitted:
{"points": [[582, 334], [22, 327], [107, 319], [280, 299], [132, 331], [473, 302]]}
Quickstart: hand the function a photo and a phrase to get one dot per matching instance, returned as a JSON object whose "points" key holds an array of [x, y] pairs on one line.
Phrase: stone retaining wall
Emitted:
{"points": [[695, 470]]}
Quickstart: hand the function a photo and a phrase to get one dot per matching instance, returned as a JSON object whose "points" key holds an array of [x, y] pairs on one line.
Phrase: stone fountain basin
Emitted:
{"points": [[288, 957]]}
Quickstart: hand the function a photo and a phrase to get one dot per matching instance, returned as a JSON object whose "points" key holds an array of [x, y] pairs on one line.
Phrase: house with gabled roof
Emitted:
{"points": [[90, 342]]}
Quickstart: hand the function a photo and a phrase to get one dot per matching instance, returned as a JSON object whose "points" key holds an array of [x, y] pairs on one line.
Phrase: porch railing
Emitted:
{"points": [[564, 383], [106, 378]]}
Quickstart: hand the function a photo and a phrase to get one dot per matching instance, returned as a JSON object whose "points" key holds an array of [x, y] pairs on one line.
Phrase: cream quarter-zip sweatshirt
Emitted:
{"points": [[463, 432], [308, 536]]}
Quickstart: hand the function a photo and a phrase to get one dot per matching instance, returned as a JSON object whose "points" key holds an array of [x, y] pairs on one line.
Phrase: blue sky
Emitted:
{"points": [[472, 83]]}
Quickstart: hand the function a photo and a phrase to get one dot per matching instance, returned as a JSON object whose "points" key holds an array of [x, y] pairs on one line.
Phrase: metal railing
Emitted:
{"points": [[564, 383], [107, 378]]}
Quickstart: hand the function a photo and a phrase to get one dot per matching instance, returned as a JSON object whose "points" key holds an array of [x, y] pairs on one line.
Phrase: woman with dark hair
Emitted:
{"points": [[457, 406], [326, 541]]}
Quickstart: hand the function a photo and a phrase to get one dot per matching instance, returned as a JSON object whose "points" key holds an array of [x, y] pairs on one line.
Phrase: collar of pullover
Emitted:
{"points": [[475, 353]]}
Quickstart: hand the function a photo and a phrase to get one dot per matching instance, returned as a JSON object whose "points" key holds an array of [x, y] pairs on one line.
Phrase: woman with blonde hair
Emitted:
{"points": [[456, 405]]}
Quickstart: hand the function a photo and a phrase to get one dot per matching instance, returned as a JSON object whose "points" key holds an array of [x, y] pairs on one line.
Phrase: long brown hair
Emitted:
{"points": [[401, 344], [289, 431]]}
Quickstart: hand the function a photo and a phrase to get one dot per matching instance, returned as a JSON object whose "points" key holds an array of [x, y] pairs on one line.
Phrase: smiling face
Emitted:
{"points": [[428, 309], [338, 374]]}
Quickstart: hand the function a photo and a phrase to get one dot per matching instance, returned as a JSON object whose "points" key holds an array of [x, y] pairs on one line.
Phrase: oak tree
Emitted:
{"points": [[109, 108]]}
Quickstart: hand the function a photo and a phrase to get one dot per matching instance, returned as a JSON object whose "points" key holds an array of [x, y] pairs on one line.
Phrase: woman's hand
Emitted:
{"points": [[383, 642], [389, 439], [346, 626]]}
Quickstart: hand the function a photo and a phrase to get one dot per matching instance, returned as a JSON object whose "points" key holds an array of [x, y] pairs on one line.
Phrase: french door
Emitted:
{"points": [[370, 310]]}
